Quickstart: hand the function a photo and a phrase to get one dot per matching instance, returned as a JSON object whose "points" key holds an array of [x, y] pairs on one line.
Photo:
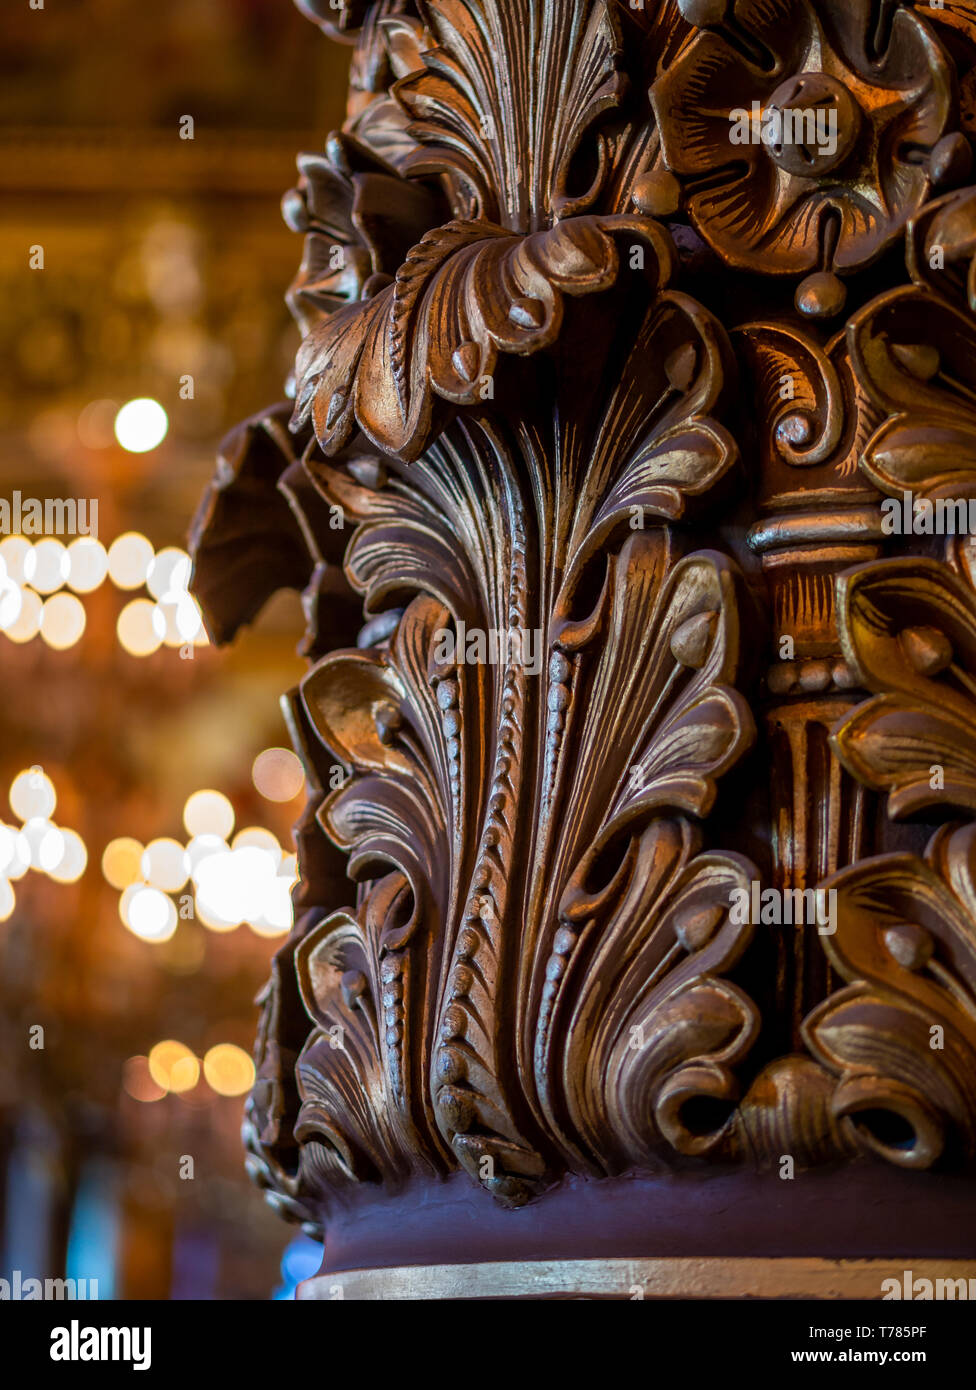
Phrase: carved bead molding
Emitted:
{"points": [[580, 367]]}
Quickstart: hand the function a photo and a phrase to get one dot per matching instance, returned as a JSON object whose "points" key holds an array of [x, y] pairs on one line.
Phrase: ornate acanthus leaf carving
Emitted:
{"points": [[915, 356], [359, 220], [638, 1037], [901, 1037], [512, 147], [942, 247], [271, 1113], [354, 1122], [493, 280], [430, 806], [261, 527], [908, 629], [813, 410], [466, 293], [619, 930], [552, 381], [393, 811]]}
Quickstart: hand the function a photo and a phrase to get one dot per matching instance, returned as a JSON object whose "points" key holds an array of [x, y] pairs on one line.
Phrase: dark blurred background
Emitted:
{"points": [[128, 964]]}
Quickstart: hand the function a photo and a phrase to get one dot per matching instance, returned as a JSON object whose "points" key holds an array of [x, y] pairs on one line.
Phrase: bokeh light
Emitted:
{"points": [[129, 558], [19, 860], [169, 574], [46, 566], [212, 919], [171, 633], [254, 837], [122, 862], [164, 865], [149, 913], [141, 425], [32, 794], [74, 858], [96, 424], [62, 621], [189, 619], [87, 564], [199, 848], [141, 628], [46, 843], [11, 602], [137, 1080], [277, 916], [27, 624], [208, 813], [277, 774], [14, 551], [8, 847], [173, 1066], [228, 1070]]}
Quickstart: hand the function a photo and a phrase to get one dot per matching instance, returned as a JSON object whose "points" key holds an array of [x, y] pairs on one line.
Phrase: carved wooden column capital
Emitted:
{"points": [[626, 331]]}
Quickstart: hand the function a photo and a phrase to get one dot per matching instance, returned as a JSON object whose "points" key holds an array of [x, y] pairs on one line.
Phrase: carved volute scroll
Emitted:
{"points": [[596, 415]]}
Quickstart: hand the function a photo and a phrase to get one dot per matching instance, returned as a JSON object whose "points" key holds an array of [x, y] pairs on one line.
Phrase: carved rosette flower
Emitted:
{"points": [[795, 207]]}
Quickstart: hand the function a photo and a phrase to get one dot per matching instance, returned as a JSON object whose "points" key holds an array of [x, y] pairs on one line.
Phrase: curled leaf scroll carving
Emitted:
{"points": [[615, 636]]}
